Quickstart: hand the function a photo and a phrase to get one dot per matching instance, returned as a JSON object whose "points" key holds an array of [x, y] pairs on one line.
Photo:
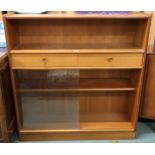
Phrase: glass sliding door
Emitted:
{"points": [[47, 98], [74, 99]]}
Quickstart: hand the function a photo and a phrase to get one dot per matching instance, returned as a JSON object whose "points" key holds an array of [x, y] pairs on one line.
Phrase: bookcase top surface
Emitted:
{"points": [[77, 16]]}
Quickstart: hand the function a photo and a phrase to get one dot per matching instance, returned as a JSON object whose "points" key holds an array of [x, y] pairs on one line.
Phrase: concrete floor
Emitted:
{"points": [[145, 134]]}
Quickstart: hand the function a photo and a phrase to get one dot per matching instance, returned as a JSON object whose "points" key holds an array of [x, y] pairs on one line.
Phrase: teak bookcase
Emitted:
{"points": [[77, 76]]}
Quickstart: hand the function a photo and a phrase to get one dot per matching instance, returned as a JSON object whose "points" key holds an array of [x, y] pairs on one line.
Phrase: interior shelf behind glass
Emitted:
{"points": [[74, 80]]}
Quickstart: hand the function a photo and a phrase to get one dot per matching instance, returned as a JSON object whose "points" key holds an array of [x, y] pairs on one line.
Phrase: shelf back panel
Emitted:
{"points": [[104, 106]]}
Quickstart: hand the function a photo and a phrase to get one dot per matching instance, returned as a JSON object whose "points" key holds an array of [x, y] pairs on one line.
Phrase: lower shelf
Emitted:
{"points": [[108, 126], [85, 126], [86, 121], [44, 135]]}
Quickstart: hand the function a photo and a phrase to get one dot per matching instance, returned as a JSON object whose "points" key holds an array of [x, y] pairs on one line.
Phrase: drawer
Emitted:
{"points": [[110, 60], [43, 60], [75, 60]]}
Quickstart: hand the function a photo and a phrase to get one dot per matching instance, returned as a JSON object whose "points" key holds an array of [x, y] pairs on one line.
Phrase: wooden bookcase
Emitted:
{"points": [[77, 76]]}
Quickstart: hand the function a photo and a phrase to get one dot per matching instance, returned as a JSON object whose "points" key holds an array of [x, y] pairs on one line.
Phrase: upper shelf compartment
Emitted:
{"points": [[75, 33]]}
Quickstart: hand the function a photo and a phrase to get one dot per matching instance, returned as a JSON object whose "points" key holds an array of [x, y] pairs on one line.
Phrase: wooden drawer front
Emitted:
{"points": [[110, 60], [43, 60], [75, 60]]}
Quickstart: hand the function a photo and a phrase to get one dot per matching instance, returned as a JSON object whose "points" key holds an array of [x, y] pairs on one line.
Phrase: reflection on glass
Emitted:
{"points": [[47, 79]]}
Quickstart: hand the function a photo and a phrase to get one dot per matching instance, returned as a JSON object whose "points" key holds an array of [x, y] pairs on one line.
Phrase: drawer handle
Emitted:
{"points": [[110, 59], [44, 59]]}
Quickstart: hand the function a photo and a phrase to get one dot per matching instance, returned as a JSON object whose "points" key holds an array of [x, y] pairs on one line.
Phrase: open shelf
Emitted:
{"points": [[76, 34]]}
